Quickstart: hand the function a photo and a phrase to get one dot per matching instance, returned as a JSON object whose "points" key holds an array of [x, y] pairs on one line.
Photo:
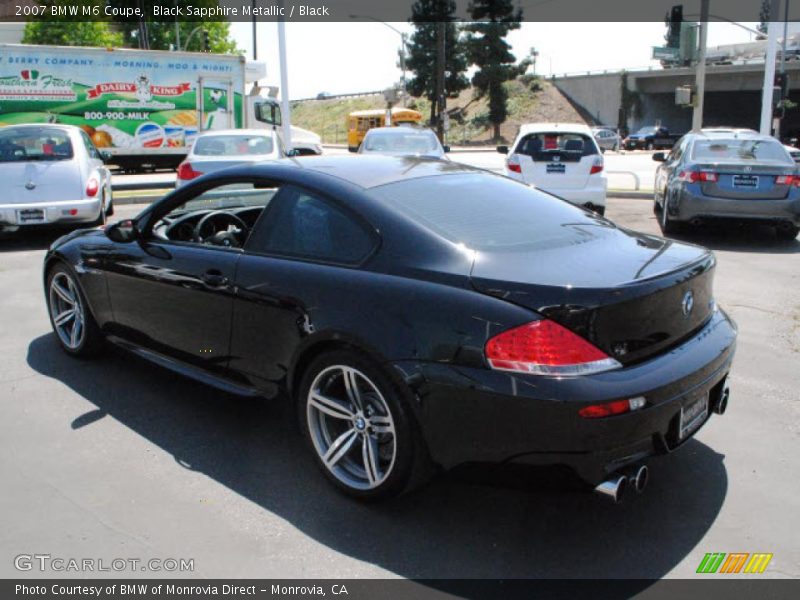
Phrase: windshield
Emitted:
{"points": [[486, 211], [647, 131], [739, 150], [402, 142], [45, 143], [233, 145]]}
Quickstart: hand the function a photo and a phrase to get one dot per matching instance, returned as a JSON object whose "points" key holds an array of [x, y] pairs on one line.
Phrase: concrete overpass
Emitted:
{"points": [[733, 96]]}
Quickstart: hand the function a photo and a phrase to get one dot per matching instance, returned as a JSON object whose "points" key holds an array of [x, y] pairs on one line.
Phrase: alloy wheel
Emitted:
{"points": [[66, 310], [351, 427]]}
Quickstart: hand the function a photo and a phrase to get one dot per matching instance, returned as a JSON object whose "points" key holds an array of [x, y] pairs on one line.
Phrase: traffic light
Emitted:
{"points": [[673, 22], [206, 41]]}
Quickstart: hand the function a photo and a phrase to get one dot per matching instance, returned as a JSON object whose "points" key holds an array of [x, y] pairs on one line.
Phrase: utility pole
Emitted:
{"points": [[285, 115], [700, 70], [255, 39], [440, 60], [769, 68], [785, 86]]}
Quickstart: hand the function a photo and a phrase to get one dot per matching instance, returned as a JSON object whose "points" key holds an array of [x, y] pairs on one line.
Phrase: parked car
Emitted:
{"points": [[419, 312], [403, 141], [727, 130], [745, 177], [562, 159], [793, 152], [651, 138], [214, 150], [53, 174], [606, 138]]}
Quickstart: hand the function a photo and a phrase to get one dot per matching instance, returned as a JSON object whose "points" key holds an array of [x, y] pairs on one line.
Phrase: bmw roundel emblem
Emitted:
{"points": [[687, 303]]}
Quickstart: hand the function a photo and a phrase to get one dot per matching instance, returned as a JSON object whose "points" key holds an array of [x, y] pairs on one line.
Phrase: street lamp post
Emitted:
{"points": [[403, 39]]}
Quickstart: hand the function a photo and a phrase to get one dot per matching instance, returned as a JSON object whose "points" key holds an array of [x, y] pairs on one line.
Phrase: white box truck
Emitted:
{"points": [[145, 107]]}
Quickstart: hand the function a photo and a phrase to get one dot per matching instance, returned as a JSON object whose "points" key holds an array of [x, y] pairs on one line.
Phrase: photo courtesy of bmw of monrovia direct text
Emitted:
{"points": [[126, 100]]}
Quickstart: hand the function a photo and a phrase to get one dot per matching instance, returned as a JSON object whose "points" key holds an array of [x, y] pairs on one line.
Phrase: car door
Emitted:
{"points": [[175, 296], [302, 253]]}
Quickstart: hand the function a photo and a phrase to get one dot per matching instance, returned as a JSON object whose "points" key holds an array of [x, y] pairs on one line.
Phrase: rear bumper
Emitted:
{"points": [[484, 416], [85, 211], [693, 205], [594, 194]]}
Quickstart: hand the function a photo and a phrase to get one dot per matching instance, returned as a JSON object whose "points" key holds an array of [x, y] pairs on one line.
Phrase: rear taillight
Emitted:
{"points": [[513, 165], [597, 165], [92, 187], [609, 409], [788, 180], [186, 172], [546, 348], [695, 176]]}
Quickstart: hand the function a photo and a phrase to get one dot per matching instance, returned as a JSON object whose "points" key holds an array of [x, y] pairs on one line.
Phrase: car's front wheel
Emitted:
{"points": [[358, 425], [72, 321]]}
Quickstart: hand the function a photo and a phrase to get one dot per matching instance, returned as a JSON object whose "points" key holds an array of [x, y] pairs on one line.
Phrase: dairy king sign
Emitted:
{"points": [[143, 90], [31, 85]]}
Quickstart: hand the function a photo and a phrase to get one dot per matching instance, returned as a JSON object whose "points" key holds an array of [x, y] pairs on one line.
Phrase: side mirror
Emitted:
{"points": [[105, 156], [502, 149], [446, 148], [659, 157], [122, 231]]}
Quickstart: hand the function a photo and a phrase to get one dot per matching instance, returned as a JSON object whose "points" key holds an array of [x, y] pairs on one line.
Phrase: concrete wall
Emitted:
{"points": [[599, 95], [11, 33]]}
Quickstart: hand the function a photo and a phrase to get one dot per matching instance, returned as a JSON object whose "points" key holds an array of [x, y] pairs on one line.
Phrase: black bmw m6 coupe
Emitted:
{"points": [[420, 314]]}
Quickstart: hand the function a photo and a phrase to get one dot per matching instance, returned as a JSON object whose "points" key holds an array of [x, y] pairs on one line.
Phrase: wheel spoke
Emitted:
{"points": [[65, 295], [340, 447], [75, 334], [64, 317], [369, 452], [351, 384], [381, 424], [330, 407]]}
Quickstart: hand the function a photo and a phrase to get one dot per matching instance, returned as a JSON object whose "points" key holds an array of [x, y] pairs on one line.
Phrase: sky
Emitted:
{"points": [[358, 57]]}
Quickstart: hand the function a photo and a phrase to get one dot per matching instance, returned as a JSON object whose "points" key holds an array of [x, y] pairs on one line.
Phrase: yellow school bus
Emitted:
{"points": [[361, 121]]}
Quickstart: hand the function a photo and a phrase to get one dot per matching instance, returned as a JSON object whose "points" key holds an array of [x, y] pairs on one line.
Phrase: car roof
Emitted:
{"points": [[373, 170], [62, 126], [565, 127], [735, 135], [399, 130], [215, 132]]}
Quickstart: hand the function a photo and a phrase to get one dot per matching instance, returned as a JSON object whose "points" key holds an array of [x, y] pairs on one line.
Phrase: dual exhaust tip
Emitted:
{"points": [[616, 487]]}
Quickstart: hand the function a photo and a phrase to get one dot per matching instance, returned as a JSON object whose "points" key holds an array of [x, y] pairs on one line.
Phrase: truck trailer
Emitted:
{"points": [[145, 107]]}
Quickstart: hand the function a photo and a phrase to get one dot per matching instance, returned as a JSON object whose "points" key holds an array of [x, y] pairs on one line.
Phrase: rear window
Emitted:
{"points": [[486, 211], [27, 144], [233, 145], [402, 141], [739, 150], [546, 146]]}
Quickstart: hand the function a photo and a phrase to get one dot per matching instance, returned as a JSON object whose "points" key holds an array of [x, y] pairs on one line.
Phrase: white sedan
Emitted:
{"points": [[403, 141], [53, 174], [219, 149]]}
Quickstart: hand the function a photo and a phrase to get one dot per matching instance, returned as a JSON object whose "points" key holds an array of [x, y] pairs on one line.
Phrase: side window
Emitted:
{"points": [[232, 212], [303, 225], [90, 147]]}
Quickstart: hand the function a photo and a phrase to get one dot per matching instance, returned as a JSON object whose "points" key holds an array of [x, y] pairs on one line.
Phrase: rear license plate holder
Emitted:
{"points": [[692, 415], [749, 182], [26, 216], [558, 168]]}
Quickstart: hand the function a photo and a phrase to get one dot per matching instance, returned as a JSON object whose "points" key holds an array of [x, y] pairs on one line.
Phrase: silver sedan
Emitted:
{"points": [[215, 150], [53, 174]]}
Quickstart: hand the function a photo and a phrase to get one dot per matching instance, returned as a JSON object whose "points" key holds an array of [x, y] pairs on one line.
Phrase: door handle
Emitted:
{"points": [[214, 278]]}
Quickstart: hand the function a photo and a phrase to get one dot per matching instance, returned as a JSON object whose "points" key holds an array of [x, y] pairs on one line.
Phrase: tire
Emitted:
{"points": [[650, 146], [376, 464], [787, 234], [63, 295], [101, 218], [600, 210], [110, 207], [668, 226]]}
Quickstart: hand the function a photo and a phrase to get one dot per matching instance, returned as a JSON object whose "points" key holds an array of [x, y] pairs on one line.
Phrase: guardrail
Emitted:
{"points": [[637, 183], [335, 96]]}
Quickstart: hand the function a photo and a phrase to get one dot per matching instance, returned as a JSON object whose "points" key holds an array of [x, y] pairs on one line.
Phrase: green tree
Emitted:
{"points": [[161, 35], [421, 59], [488, 50], [70, 33]]}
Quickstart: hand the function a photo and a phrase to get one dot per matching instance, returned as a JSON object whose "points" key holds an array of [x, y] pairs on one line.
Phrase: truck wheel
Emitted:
{"points": [[650, 146]]}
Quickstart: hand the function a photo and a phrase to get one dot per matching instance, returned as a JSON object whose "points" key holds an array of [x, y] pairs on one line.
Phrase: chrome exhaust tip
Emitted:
{"points": [[613, 488], [721, 405], [640, 478]]}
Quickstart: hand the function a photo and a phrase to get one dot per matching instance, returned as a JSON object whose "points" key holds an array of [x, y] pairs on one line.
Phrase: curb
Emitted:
{"points": [[140, 196], [638, 194]]}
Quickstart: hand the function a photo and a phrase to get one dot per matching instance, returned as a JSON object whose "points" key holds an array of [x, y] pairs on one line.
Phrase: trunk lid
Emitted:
{"points": [[42, 180], [746, 181], [632, 295]]}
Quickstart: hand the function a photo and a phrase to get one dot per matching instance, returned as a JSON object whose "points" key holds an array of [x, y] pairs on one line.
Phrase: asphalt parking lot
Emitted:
{"points": [[116, 458]]}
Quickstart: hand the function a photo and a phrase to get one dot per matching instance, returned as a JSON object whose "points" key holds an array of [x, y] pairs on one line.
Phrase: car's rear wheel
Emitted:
{"points": [[358, 425], [110, 206], [668, 226], [72, 321]]}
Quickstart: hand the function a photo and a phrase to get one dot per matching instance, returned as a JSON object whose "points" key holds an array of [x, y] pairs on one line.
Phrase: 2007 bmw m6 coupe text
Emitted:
{"points": [[420, 313]]}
